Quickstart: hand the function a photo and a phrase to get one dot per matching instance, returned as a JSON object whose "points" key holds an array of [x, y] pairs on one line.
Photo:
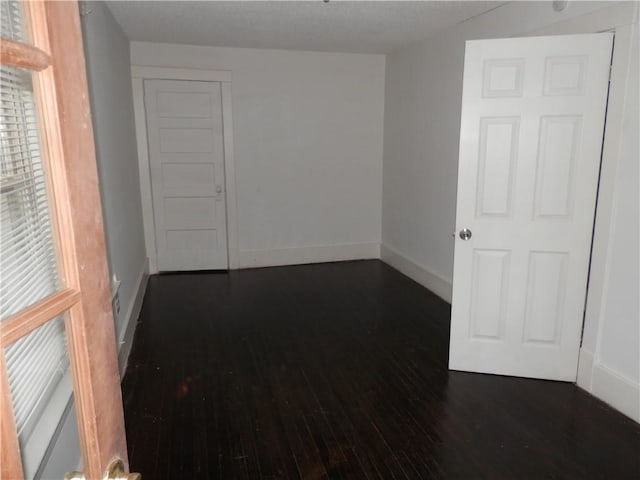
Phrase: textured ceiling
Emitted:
{"points": [[337, 26]]}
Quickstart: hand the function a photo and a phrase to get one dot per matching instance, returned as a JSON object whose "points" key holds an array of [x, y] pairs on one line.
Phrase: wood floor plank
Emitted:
{"points": [[339, 371]]}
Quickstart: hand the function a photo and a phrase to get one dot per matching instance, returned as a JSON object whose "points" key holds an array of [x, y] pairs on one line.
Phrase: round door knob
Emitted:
{"points": [[465, 234]]}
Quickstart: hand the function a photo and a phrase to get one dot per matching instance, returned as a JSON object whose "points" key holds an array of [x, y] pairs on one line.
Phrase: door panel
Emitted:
{"points": [[545, 297], [559, 137], [184, 128], [531, 130], [490, 270], [496, 165]]}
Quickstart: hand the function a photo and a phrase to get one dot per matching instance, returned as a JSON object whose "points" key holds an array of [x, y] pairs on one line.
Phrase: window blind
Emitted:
{"points": [[28, 271], [11, 22]]}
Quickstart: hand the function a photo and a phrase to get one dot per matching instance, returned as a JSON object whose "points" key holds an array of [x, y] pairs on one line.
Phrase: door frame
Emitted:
{"points": [[618, 19], [138, 75]]}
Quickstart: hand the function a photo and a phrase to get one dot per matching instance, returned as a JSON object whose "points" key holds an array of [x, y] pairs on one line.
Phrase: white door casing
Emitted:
{"points": [[533, 112], [186, 157]]}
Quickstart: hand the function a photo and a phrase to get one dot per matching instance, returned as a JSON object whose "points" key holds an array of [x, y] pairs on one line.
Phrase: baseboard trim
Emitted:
{"points": [[416, 272], [303, 255], [585, 370], [621, 393], [131, 317]]}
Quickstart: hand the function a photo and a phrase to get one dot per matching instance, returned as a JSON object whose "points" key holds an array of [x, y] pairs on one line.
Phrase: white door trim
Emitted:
{"points": [[138, 75], [168, 73]]}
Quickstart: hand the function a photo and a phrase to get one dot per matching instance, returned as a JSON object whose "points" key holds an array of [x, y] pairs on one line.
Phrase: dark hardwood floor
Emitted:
{"points": [[339, 371]]}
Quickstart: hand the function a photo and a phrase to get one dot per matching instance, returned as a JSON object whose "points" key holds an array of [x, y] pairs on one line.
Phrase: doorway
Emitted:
{"points": [[187, 175]]}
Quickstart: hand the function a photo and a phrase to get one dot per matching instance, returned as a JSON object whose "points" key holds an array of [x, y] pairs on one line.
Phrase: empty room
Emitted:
{"points": [[319, 239]]}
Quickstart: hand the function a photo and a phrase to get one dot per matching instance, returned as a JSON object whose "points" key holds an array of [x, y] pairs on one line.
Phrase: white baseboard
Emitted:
{"points": [[131, 316], [621, 393], [416, 272], [585, 370], [302, 255]]}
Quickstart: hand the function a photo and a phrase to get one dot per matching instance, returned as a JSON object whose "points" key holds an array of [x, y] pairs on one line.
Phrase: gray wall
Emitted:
{"points": [[109, 72]]}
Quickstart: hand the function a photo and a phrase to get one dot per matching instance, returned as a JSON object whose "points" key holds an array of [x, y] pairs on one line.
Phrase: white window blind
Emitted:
{"points": [[36, 363], [29, 270], [11, 23]]}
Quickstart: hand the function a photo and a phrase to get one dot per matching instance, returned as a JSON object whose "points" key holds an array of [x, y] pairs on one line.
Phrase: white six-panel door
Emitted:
{"points": [[533, 112], [186, 156]]}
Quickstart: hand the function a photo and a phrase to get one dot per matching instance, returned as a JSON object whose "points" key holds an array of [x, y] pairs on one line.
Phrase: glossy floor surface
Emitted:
{"points": [[339, 371]]}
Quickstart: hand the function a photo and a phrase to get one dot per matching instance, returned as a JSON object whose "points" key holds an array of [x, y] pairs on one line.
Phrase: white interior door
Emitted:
{"points": [[186, 155], [533, 112]]}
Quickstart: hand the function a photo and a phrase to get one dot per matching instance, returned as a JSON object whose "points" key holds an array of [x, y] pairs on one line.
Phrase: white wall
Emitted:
{"points": [[307, 147], [422, 120], [615, 374], [423, 95], [620, 346]]}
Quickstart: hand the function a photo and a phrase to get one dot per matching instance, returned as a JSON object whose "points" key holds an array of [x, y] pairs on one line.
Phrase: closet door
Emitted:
{"points": [[186, 155]]}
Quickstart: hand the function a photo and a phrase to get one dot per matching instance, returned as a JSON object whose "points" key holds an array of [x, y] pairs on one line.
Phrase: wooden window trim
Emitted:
{"points": [[27, 320], [18, 54], [10, 462]]}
